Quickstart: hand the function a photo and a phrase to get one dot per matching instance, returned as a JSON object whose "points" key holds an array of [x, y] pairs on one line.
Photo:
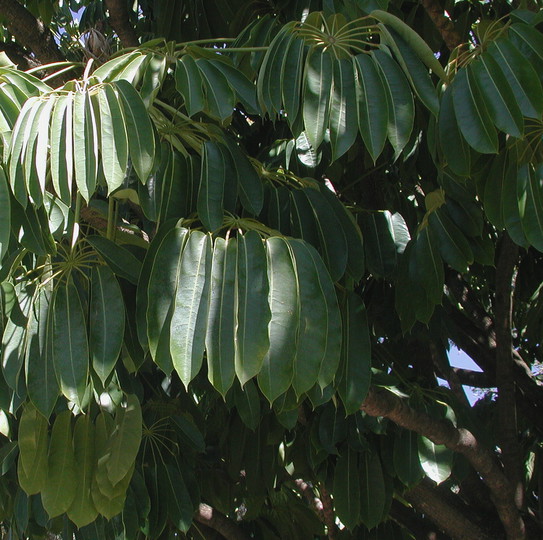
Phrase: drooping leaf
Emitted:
{"points": [[406, 457], [372, 490], [253, 312], [62, 170], [435, 459], [61, 486], [188, 82], [179, 504], [190, 307], [278, 365], [248, 404], [220, 98], [212, 183], [5, 214], [530, 195], [106, 321], [222, 318], [347, 488]]}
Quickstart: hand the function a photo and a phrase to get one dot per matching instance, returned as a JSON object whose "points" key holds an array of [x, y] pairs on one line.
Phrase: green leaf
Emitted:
{"points": [[318, 74], [406, 457], [427, 265], [33, 444], [401, 111], [240, 84], [413, 40], [188, 432], [498, 96], [222, 318], [106, 318], [61, 486], [37, 189], [530, 195], [413, 69], [248, 404], [346, 489], [41, 381], [435, 459], [188, 82], [113, 138], [85, 145], [70, 345], [212, 183], [521, 76], [278, 365], [190, 307], [163, 278], [5, 214], [472, 113], [453, 245], [332, 241], [178, 501], [141, 138], [454, 146], [220, 98], [355, 368], [372, 108], [62, 147], [253, 310], [125, 439], [112, 69], [291, 78], [529, 42], [302, 218], [121, 261], [379, 245], [82, 510], [373, 496], [343, 108]]}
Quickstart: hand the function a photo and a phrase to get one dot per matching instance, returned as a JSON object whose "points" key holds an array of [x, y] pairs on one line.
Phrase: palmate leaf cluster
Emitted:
{"points": [[212, 245]]}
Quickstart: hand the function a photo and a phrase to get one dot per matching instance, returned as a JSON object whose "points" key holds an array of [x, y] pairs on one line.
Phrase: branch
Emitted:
{"points": [[219, 522], [427, 500], [507, 414], [30, 32], [419, 526], [380, 402], [328, 511], [120, 22], [477, 379], [19, 56], [443, 23]]}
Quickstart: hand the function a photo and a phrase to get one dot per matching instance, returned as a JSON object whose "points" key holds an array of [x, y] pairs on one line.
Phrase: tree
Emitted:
{"points": [[237, 242]]}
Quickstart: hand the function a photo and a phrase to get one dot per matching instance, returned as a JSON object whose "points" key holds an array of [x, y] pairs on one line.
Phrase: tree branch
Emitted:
{"points": [[444, 25], [19, 56], [219, 522], [380, 402], [30, 32], [328, 512], [454, 522], [120, 22], [507, 412]]}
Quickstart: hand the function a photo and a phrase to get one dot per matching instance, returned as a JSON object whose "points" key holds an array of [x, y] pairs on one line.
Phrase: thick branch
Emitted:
{"points": [[445, 26], [30, 32], [328, 512], [219, 522], [507, 415], [427, 500], [477, 379], [19, 56], [120, 22], [380, 402]]}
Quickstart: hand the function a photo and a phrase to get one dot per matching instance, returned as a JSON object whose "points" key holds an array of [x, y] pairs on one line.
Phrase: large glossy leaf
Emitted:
{"points": [[379, 243], [498, 96], [178, 502], [291, 78], [106, 321], [141, 139], [530, 194], [406, 457], [190, 308], [125, 439], [372, 490], [62, 147], [70, 344], [318, 75], [113, 138], [5, 214], [82, 510], [427, 265], [472, 113], [343, 108], [253, 310], [220, 98], [61, 486], [346, 488], [33, 445], [41, 381], [222, 318], [521, 76], [240, 84], [529, 42], [332, 241], [372, 108], [36, 185], [354, 377], [401, 111], [163, 273], [212, 183], [188, 82], [85, 145], [247, 400], [435, 459], [278, 366]]}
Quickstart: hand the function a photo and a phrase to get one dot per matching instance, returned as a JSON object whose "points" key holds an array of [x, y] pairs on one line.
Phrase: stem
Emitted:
{"points": [[205, 41]]}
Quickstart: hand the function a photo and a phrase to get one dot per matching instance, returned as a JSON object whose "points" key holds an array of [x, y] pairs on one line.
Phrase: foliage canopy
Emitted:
{"points": [[237, 241]]}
